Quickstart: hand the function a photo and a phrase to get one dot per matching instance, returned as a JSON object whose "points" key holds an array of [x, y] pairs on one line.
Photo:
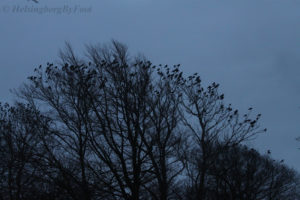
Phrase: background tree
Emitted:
{"points": [[242, 173], [20, 147]]}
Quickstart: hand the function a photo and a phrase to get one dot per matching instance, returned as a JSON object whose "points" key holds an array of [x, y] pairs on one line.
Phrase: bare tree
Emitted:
{"points": [[19, 146], [111, 120], [242, 173], [60, 95], [210, 123], [111, 126]]}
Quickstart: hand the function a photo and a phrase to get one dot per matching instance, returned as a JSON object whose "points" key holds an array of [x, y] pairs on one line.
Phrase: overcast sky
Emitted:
{"points": [[250, 47]]}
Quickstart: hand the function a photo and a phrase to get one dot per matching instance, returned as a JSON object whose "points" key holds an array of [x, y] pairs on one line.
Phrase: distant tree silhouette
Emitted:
{"points": [[20, 150], [111, 126], [242, 173]]}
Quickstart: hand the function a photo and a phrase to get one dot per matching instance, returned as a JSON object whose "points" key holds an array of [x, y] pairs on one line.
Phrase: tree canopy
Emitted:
{"points": [[113, 126]]}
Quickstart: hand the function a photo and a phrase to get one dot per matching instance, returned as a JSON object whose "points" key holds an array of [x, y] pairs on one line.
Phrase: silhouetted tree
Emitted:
{"points": [[210, 123], [242, 173], [110, 126], [111, 120], [20, 149]]}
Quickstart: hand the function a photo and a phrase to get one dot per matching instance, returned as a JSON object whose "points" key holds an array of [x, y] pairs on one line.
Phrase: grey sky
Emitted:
{"points": [[250, 47]]}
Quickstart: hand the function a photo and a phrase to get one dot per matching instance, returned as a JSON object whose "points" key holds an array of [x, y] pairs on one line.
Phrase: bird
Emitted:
{"points": [[269, 152], [35, 1]]}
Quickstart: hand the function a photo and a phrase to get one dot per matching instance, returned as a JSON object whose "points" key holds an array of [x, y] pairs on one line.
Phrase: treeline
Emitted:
{"points": [[114, 127]]}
